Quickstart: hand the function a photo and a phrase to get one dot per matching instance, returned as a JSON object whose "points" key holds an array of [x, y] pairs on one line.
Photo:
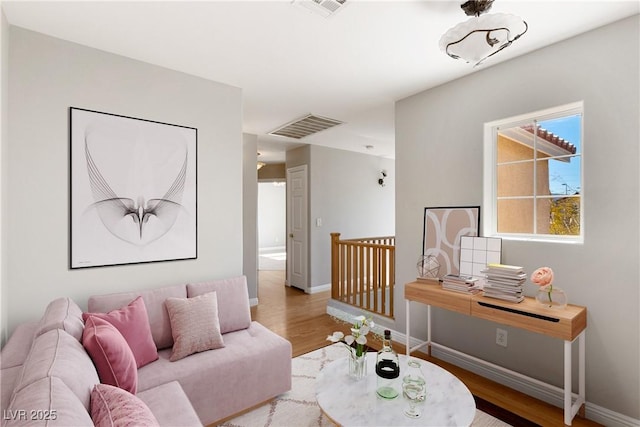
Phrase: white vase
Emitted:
{"points": [[554, 298]]}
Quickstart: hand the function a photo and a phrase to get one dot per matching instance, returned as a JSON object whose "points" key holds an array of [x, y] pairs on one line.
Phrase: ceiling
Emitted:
{"points": [[289, 61]]}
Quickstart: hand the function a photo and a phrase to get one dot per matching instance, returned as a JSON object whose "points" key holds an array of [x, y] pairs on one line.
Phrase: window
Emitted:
{"points": [[533, 176]]}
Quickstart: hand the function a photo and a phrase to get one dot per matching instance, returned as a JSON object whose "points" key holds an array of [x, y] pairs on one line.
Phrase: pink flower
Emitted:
{"points": [[542, 277]]}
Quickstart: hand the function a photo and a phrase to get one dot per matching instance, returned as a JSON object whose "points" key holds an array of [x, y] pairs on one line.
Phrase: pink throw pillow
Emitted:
{"points": [[194, 325], [112, 407], [133, 323], [110, 353]]}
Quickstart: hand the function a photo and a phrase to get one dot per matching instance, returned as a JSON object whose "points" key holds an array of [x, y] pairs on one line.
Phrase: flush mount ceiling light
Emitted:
{"points": [[483, 36]]}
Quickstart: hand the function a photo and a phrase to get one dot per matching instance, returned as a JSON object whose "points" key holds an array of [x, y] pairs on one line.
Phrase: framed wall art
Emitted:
{"points": [[133, 185], [443, 228]]}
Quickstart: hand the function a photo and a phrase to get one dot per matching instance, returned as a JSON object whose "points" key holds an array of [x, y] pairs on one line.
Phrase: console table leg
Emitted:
{"points": [[582, 388], [429, 330], [567, 383], [408, 334]]}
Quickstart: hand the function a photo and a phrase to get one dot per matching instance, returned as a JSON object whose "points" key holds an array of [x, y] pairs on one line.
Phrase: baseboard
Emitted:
{"points": [[271, 249], [607, 417], [346, 316], [320, 288], [529, 386]]}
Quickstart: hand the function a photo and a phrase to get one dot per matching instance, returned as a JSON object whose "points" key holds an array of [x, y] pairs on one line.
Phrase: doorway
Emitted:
{"points": [[272, 226], [297, 228]]}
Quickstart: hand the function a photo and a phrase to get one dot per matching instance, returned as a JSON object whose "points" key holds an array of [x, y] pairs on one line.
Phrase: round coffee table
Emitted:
{"points": [[350, 402]]}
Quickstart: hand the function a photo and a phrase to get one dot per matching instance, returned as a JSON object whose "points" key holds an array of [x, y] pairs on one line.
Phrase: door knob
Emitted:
{"points": [[291, 235]]}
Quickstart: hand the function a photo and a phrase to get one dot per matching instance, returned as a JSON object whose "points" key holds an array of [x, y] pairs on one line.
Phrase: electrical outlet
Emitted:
{"points": [[501, 337]]}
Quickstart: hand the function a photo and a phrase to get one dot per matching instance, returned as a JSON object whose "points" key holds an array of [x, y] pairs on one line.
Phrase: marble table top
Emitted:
{"points": [[350, 402]]}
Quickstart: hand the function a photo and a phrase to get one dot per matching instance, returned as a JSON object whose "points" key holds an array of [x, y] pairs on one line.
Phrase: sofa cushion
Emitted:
{"points": [[179, 413], [154, 302], [16, 349], [56, 353], [133, 323], [62, 313], [110, 353], [112, 406], [233, 301], [257, 355], [8, 379], [194, 324], [46, 402]]}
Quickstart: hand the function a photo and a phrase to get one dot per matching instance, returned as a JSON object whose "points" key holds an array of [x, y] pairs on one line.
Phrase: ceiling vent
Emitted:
{"points": [[305, 126], [324, 8]]}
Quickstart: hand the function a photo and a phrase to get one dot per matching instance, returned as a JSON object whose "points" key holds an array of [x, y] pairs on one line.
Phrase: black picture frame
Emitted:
{"points": [[133, 190]]}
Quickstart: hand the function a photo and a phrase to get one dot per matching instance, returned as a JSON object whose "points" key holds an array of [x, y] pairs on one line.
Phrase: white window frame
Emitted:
{"points": [[490, 199]]}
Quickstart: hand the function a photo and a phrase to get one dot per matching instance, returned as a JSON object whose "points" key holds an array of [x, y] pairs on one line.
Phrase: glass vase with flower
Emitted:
{"points": [[548, 295], [356, 343]]}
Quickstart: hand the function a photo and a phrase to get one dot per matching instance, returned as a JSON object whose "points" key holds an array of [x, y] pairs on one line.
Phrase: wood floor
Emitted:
{"points": [[302, 319]]}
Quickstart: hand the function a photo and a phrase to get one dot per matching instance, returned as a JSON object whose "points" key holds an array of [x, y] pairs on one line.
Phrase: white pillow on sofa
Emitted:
{"points": [[194, 325]]}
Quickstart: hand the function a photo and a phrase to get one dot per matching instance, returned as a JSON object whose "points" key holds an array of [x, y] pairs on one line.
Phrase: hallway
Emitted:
{"points": [[272, 259], [299, 317]]}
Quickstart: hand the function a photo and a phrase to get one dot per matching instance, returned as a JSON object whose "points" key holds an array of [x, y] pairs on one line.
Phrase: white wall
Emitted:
{"points": [[439, 163], [4, 141], [272, 215], [46, 77], [249, 214], [344, 193]]}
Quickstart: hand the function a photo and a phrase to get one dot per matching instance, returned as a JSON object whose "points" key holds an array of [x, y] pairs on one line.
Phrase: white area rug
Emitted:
{"points": [[298, 407]]}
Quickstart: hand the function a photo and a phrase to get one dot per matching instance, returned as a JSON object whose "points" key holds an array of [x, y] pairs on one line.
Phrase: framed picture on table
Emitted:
{"points": [[443, 229]]}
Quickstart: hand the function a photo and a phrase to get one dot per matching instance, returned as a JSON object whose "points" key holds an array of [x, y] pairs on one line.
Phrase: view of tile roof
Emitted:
{"points": [[551, 138]]}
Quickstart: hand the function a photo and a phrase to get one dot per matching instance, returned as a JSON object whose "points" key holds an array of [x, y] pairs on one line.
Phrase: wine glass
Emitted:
{"points": [[413, 388]]}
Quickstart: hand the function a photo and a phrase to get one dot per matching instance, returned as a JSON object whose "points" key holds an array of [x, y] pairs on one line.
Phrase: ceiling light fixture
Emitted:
{"points": [[481, 36]]}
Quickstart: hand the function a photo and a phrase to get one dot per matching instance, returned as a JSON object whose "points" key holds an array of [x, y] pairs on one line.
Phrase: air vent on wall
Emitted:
{"points": [[323, 8], [305, 126]]}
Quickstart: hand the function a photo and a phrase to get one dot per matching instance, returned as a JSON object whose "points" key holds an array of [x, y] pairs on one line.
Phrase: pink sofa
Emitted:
{"points": [[46, 358]]}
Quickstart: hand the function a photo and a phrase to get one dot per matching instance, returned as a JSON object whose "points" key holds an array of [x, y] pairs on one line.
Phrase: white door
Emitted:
{"points": [[297, 229]]}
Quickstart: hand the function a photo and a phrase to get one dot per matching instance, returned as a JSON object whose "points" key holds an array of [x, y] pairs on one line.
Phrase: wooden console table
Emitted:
{"points": [[568, 324]]}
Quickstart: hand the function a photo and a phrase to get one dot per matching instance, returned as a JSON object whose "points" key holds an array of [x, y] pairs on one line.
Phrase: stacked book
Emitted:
{"points": [[504, 282], [460, 283]]}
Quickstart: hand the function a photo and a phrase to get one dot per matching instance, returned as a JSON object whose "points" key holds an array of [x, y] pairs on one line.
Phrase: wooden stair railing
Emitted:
{"points": [[363, 272]]}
